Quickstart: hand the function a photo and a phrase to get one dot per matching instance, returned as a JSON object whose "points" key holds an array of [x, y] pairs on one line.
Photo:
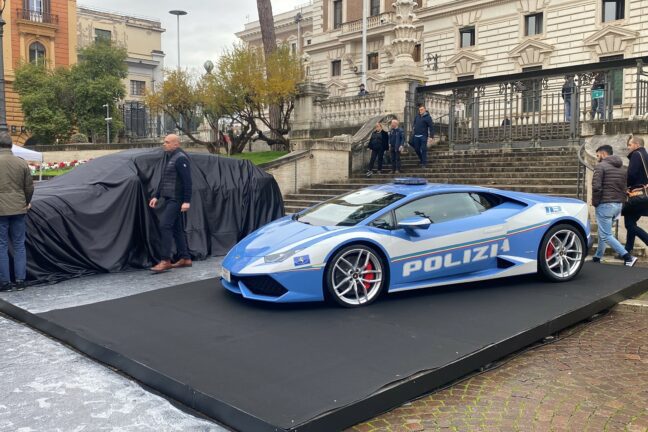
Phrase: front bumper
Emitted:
{"points": [[298, 285]]}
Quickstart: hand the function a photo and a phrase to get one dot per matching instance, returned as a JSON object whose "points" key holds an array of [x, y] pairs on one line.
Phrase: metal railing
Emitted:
{"points": [[37, 16], [531, 108]]}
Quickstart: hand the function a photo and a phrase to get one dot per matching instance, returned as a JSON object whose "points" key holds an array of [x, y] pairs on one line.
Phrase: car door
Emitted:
{"points": [[461, 239]]}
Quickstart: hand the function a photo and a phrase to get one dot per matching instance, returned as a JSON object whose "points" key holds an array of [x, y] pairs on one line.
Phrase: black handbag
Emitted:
{"points": [[638, 197]]}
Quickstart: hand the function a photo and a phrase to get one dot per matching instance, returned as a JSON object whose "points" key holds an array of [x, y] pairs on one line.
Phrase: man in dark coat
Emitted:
{"points": [[378, 144], [16, 191], [566, 93], [422, 130], [608, 195], [637, 178], [396, 141], [175, 191]]}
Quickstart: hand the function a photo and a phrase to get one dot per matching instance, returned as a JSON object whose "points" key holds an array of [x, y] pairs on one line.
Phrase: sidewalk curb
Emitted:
{"points": [[637, 306]]}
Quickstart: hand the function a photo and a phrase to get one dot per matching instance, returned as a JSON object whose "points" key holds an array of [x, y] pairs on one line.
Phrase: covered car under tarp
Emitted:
{"points": [[96, 218]]}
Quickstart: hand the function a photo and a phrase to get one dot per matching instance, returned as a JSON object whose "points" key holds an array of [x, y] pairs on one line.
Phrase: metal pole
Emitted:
{"points": [[107, 124], [364, 41], [638, 93], [178, 17], [3, 101]]}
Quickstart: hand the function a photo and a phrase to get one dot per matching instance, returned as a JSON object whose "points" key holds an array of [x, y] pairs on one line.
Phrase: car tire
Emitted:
{"points": [[355, 276], [562, 253]]}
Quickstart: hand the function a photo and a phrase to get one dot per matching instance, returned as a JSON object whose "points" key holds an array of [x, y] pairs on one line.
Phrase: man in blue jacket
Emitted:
{"points": [[422, 130], [396, 141], [175, 190]]}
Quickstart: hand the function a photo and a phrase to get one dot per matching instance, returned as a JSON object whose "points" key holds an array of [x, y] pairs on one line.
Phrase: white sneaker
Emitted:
{"points": [[630, 261]]}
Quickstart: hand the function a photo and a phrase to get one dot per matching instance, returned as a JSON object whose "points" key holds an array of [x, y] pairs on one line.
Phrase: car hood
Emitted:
{"points": [[278, 235]]}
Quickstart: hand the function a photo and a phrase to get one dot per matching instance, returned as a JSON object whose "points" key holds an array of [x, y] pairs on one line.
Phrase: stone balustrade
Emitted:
{"points": [[372, 22], [349, 110]]}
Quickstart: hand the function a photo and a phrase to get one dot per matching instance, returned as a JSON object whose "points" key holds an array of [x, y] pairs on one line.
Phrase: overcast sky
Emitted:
{"points": [[205, 31]]}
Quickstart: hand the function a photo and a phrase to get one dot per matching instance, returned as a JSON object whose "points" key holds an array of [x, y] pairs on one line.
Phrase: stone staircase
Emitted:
{"points": [[550, 171]]}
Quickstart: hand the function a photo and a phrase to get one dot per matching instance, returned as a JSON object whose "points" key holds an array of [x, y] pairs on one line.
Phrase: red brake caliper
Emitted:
{"points": [[550, 250], [368, 277]]}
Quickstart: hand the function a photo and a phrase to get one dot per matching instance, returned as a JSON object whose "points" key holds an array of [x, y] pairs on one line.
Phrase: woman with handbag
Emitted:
{"points": [[637, 204]]}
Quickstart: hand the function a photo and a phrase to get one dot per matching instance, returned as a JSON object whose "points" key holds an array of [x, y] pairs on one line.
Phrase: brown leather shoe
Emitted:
{"points": [[162, 266], [182, 262]]}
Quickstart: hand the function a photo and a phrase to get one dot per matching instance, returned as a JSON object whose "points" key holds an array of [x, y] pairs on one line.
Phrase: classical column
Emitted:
{"points": [[404, 70]]}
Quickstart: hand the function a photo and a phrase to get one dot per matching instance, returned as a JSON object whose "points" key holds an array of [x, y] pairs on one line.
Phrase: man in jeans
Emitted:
{"points": [[16, 190], [608, 194]]}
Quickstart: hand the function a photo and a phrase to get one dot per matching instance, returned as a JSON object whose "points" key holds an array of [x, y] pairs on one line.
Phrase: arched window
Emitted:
{"points": [[36, 52]]}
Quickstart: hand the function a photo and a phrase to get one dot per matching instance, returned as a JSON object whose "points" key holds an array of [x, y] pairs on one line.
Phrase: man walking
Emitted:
{"points": [[608, 195], [396, 140], [566, 93], [421, 131], [637, 178], [174, 191], [16, 190]]}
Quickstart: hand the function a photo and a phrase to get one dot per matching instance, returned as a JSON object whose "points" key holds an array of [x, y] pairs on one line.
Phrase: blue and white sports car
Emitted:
{"points": [[408, 235]]}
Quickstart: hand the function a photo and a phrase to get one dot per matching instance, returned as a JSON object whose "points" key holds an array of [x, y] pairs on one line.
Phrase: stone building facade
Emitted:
{"points": [[457, 40], [142, 38], [35, 30]]}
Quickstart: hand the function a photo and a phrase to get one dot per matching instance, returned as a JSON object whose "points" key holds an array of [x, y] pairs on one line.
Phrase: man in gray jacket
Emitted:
{"points": [[608, 195], [16, 190]]}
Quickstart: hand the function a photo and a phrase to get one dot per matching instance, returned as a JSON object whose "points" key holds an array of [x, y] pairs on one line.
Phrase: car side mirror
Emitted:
{"points": [[414, 223]]}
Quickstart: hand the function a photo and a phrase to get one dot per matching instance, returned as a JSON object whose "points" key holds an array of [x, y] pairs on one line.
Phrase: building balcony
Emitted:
{"points": [[372, 22], [37, 17]]}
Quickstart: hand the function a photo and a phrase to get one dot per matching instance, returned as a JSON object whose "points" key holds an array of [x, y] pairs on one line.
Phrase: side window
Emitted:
{"points": [[485, 202], [440, 208], [385, 222]]}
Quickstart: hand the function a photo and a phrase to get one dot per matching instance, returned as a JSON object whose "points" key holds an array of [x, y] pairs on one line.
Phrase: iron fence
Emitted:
{"points": [[539, 107]]}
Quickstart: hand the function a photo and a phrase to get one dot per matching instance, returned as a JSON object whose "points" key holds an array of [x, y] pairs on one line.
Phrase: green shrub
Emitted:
{"points": [[79, 138]]}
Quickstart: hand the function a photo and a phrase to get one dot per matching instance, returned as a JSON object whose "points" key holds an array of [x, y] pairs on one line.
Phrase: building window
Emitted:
{"points": [[36, 53], [416, 54], [374, 8], [615, 79], [533, 24], [532, 93], [293, 48], [372, 61], [337, 14], [102, 35], [137, 88], [612, 10], [336, 68], [467, 37], [308, 42]]}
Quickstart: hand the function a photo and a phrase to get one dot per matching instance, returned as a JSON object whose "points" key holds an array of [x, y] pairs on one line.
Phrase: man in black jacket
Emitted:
{"points": [[421, 131], [378, 144], [608, 195], [175, 190], [637, 178]]}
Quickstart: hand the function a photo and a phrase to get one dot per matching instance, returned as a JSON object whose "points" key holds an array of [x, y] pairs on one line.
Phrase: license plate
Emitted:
{"points": [[226, 275]]}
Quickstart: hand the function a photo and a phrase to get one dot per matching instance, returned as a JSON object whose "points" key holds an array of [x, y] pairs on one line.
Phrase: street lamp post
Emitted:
{"points": [[108, 120], [3, 99], [178, 13]]}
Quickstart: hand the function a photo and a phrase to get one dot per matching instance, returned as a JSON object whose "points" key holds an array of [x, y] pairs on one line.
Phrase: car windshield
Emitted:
{"points": [[348, 209]]}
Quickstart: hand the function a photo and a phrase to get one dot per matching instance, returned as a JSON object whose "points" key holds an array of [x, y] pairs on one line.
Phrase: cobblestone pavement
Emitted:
{"points": [[594, 377]]}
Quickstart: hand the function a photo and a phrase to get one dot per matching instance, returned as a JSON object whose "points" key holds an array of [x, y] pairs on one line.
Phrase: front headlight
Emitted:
{"points": [[280, 256]]}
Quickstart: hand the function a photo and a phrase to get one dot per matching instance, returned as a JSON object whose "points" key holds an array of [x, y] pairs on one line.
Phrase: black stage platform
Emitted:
{"points": [[263, 367]]}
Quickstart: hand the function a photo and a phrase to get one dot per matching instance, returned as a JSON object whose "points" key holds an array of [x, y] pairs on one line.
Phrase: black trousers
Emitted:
{"points": [[395, 159], [376, 154], [172, 228], [633, 230]]}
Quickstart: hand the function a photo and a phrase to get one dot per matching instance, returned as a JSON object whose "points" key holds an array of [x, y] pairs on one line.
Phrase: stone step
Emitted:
{"points": [[558, 163], [563, 189], [472, 180], [499, 171]]}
